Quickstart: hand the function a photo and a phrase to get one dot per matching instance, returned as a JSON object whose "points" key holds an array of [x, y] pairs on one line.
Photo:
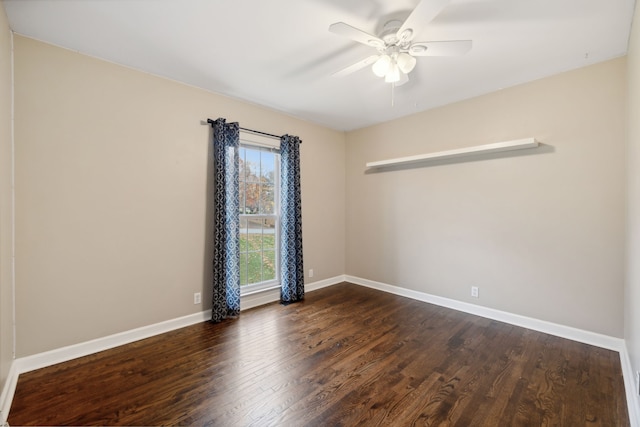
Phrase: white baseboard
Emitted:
{"points": [[310, 287], [259, 298], [568, 332], [7, 393], [64, 354], [579, 335], [631, 388], [41, 360], [273, 295]]}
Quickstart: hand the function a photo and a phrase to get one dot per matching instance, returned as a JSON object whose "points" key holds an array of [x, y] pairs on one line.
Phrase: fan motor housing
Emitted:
{"points": [[390, 30]]}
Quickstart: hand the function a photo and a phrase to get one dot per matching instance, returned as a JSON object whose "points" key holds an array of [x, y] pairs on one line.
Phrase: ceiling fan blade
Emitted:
{"points": [[424, 13], [357, 66], [346, 30], [443, 48]]}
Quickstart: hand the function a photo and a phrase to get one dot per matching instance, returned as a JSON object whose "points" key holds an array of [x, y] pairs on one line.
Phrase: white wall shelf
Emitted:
{"points": [[518, 144]]}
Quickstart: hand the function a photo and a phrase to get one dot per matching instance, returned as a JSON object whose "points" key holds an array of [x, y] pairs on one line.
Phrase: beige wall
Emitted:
{"points": [[6, 304], [111, 195], [540, 233], [111, 198], [632, 290]]}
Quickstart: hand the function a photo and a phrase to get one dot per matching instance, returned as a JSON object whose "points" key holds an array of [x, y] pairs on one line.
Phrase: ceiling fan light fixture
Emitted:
{"points": [[406, 62], [393, 75], [404, 78], [381, 66], [396, 51]]}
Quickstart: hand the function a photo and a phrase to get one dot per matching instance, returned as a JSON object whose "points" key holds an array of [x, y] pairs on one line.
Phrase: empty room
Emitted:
{"points": [[320, 212]]}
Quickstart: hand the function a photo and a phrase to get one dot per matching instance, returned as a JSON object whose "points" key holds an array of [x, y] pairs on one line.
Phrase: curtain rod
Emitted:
{"points": [[251, 130]]}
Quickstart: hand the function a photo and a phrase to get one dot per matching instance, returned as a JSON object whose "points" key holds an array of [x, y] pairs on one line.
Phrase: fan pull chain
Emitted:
{"points": [[393, 93]]}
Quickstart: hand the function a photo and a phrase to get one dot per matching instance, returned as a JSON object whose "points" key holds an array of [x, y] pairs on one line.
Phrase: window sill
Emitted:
{"points": [[271, 287]]}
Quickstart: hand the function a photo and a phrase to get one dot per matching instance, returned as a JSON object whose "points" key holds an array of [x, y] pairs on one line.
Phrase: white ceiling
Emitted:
{"points": [[280, 54]]}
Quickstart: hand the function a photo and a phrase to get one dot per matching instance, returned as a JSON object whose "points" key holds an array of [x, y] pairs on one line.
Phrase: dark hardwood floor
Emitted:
{"points": [[346, 356]]}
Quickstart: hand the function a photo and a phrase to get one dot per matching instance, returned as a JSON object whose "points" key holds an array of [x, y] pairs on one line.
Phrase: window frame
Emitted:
{"points": [[251, 142]]}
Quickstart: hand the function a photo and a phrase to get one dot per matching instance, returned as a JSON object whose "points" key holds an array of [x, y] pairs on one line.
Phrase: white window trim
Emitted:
{"points": [[254, 140], [258, 142]]}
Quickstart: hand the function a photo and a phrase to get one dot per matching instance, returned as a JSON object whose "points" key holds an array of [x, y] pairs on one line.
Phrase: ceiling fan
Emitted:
{"points": [[397, 51]]}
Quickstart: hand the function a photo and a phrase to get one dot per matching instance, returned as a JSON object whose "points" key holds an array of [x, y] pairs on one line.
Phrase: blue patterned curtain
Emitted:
{"points": [[226, 252], [292, 271]]}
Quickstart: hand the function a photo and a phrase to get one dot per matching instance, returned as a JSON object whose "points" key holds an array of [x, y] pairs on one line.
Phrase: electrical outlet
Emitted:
{"points": [[474, 292], [197, 298], [311, 272]]}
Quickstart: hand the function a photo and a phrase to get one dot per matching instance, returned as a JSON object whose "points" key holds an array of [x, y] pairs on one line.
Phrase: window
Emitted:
{"points": [[259, 170]]}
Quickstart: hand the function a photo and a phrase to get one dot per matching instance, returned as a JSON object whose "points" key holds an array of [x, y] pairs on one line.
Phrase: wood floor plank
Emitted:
{"points": [[346, 356]]}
